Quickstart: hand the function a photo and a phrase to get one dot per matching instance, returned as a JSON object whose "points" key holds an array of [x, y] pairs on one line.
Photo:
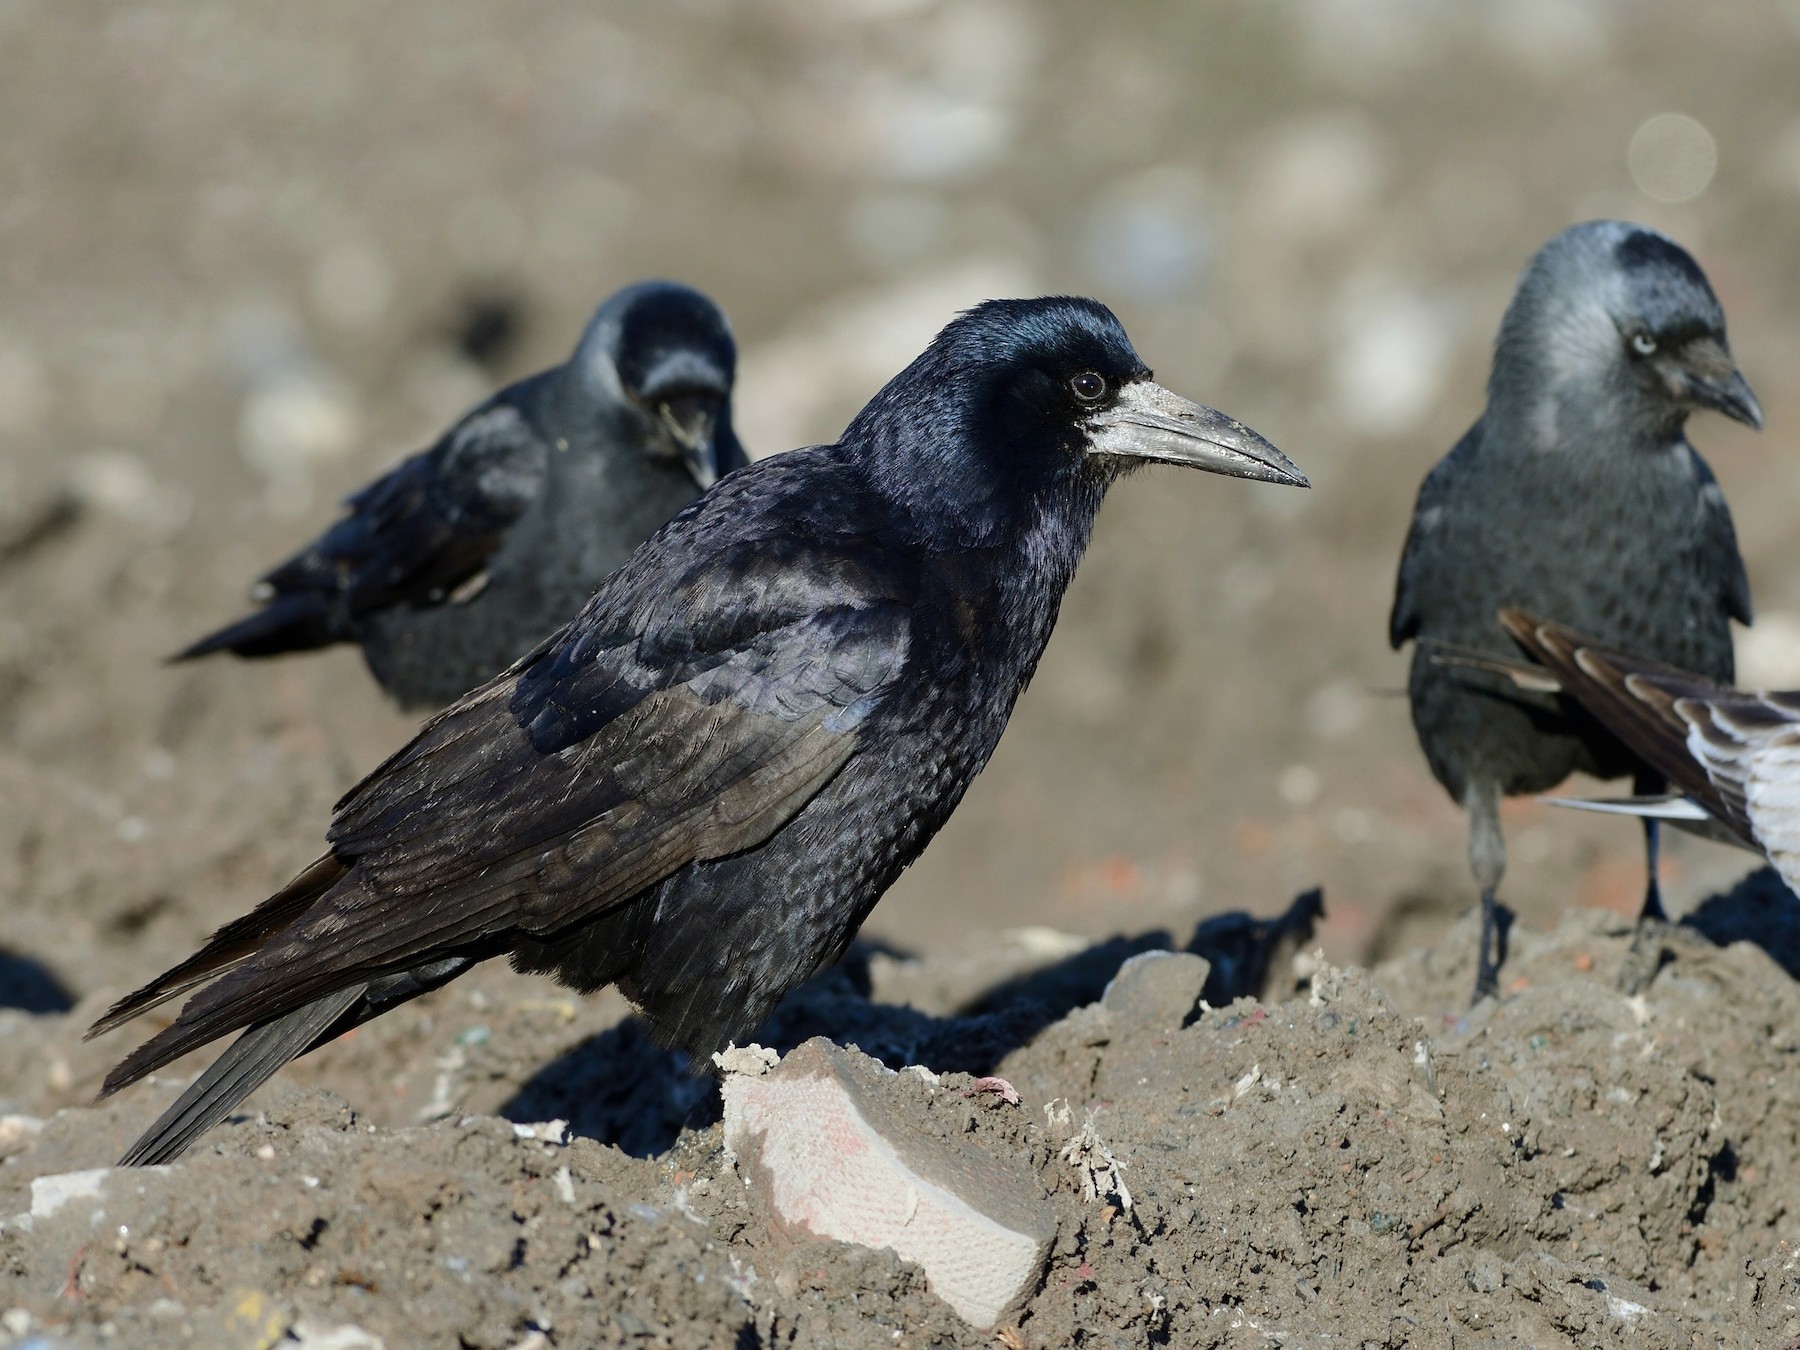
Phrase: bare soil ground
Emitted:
{"points": [[1356, 1164]]}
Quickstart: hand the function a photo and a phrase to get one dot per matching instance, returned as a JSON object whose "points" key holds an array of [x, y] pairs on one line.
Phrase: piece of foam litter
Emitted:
{"points": [[835, 1154]]}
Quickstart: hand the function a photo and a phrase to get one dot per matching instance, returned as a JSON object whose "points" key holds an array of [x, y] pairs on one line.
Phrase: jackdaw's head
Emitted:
{"points": [[661, 355], [1615, 328]]}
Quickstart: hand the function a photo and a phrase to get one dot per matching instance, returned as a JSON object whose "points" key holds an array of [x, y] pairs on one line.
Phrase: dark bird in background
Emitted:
{"points": [[1731, 755], [458, 561], [699, 788], [1576, 496]]}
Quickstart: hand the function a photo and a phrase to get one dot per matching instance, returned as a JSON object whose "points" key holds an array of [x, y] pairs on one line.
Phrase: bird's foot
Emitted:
{"points": [[1496, 923], [1487, 981], [1644, 957]]}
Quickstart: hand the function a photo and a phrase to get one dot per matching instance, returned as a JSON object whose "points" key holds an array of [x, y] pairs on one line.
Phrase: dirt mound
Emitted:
{"points": [[1358, 1164]]}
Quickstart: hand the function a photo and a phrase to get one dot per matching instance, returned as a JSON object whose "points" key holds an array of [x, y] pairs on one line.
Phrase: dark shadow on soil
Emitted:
{"points": [[622, 1088], [29, 986], [1759, 909]]}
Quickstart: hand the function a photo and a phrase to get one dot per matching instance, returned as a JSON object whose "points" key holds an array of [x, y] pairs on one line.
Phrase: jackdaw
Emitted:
{"points": [[1577, 496], [448, 568]]}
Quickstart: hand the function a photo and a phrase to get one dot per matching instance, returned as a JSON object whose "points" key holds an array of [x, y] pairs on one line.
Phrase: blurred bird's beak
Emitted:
{"points": [[1148, 422], [691, 420], [1711, 378]]}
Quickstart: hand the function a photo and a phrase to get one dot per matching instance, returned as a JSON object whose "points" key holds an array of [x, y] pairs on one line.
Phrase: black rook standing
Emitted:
{"points": [[699, 788]]}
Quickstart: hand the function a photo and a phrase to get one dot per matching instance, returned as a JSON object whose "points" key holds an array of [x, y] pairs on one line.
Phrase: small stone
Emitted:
{"points": [[1157, 989]]}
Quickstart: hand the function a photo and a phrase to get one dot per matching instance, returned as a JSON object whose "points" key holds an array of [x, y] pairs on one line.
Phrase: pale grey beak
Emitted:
{"points": [[1711, 378], [690, 422], [1147, 422]]}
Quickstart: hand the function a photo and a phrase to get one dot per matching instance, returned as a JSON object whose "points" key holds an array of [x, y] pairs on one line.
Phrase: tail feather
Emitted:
{"points": [[294, 621], [250, 1061], [233, 943], [257, 1055]]}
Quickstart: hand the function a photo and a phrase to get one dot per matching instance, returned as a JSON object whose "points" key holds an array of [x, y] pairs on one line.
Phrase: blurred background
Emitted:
{"points": [[251, 254]]}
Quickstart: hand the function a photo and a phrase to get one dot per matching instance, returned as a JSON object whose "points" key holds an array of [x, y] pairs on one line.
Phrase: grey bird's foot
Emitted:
{"points": [[1645, 956], [1496, 920]]}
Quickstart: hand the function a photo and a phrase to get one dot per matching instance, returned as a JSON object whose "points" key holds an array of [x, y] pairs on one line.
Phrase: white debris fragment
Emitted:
{"points": [[550, 1131], [754, 1060], [315, 1336], [1099, 1169], [17, 1131], [49, 1194]]}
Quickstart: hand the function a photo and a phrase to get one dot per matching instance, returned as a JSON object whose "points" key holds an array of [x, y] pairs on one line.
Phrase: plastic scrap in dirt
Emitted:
{"points": [[835, 1145]]}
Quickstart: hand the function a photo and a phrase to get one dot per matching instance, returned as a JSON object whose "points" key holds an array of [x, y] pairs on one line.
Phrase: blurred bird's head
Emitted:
{"points": [[1015, 398], [661, 354], [1614, 326]]}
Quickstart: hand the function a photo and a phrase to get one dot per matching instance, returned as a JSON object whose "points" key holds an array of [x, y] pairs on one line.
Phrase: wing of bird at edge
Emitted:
{"points": [[1658, 711]]}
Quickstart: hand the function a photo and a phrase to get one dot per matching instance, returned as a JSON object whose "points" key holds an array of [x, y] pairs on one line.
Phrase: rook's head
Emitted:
{"points": [[662, 355], [1620, 319], [1016, 395]]}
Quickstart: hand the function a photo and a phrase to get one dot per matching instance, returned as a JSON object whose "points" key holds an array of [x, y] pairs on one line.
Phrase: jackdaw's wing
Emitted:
{"points": [[414, 536], [1423, 538], [687, 714], [1721, 546]]}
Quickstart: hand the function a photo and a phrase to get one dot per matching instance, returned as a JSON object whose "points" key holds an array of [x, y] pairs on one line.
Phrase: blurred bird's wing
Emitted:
{"points": [[1657, 710], [1749, 744], [417, 535], [1423, 537], [1719, 551], [686, 715], [432, 523]]}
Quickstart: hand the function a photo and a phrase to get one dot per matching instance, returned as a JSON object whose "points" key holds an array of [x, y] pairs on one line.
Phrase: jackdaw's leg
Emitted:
{"points": [[1487, 860], [1645, 955], [1651, 785]]}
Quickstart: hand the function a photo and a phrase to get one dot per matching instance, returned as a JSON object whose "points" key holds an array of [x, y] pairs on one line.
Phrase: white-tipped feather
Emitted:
{"points": [[1652, 808]]}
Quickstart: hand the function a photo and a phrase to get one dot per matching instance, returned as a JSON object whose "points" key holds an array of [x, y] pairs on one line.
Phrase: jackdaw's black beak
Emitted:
{"points": [[1712, 379], [691, 420], [1147, 422]]}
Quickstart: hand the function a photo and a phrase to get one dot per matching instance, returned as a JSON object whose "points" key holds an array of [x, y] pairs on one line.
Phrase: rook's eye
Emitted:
{"points": [[1088, 386], [1643, 344]]}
